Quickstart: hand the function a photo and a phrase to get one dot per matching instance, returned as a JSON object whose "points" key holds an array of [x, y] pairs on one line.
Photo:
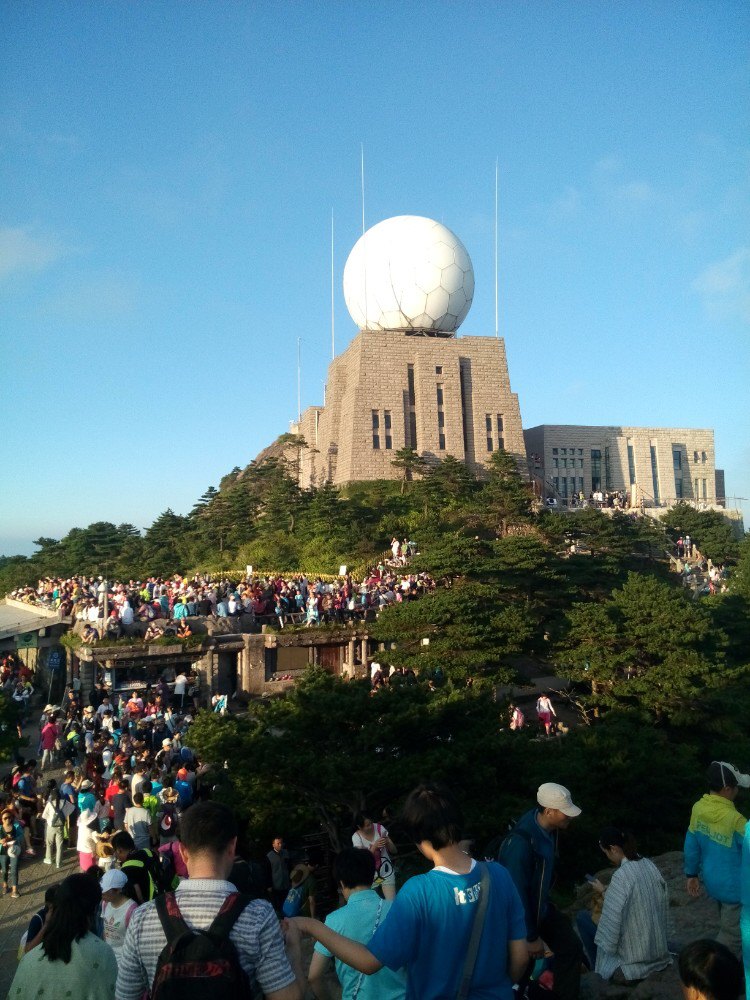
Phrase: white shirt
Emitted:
{"points": [[180, 684], [116, 920]]}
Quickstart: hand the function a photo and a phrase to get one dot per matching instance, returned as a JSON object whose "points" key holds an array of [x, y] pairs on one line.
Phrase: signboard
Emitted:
{"points": [[27, 640], [248, 570], [342, 570], [55, 661]]}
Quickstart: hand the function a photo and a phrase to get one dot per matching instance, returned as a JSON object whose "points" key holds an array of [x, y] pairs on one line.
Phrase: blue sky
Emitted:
{"points": [[167, 176]]}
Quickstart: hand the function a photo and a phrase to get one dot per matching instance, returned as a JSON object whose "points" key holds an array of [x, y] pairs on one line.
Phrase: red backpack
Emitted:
{"points": [[199, 964]]}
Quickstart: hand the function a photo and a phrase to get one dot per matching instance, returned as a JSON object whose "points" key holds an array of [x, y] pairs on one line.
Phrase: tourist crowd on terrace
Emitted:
{"points": [[158, 606]]}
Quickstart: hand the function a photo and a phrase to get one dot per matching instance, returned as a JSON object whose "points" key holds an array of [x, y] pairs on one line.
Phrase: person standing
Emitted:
{"points": [[57, 811], [529, 852], [713, 849], [278, 862], [354, 870], [374, 837], [209, 840], [117, 909], [71, 960], [430, 923], [545, 710]]}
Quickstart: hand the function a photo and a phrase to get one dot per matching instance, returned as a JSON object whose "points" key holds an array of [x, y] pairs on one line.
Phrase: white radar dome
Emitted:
{"points": [[409, 273]]}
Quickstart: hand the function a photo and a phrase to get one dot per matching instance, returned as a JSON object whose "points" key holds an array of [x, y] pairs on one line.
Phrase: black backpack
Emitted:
{"points": [[199, 964]]}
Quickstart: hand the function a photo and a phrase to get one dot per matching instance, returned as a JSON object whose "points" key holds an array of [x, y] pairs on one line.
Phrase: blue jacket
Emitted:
{"points": [[528, 852], [713, 847]]}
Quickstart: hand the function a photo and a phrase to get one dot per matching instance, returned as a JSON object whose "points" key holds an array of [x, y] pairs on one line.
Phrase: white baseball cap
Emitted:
{"points": [[553, 796], [113, 879]]}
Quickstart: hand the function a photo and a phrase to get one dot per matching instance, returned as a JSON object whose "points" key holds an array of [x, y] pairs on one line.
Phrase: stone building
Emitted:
{"points": [[406, 380], [391, 390], [657, 465]]}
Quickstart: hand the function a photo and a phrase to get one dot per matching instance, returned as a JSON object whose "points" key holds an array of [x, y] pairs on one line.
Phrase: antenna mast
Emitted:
{"points": [[364, 241], [333, 321], [497, 171], [299, 382]]}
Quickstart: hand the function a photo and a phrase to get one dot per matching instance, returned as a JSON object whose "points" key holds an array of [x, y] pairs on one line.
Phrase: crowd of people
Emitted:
{"points": [[162, 895], [157, 607]]}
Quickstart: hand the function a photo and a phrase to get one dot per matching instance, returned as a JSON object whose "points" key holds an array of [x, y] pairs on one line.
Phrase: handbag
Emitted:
{"points": [[476, 934]]}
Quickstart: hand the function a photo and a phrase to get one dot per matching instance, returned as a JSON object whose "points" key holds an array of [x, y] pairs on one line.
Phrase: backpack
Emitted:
{"points": [[165, 881], [168, 821], [294, 900], [199, 964]]}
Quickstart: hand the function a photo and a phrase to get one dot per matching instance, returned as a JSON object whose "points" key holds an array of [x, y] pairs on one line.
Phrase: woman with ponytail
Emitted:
{"points": [[630, 939]]}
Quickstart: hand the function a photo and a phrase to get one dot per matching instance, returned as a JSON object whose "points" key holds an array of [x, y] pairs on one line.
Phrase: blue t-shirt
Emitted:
{"points": [[429, 927], [356, 920]]}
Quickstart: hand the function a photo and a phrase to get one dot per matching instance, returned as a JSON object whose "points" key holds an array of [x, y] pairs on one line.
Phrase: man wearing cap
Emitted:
{"points": [[528, 852], [117, 909], [713, 848]]}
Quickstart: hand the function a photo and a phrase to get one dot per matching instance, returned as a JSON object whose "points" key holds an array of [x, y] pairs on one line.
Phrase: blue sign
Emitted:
{"points": [[54, 661]]}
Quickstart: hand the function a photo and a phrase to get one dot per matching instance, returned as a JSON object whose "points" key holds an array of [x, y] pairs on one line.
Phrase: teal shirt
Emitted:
{"points": [[356, 920], [90, 974]]}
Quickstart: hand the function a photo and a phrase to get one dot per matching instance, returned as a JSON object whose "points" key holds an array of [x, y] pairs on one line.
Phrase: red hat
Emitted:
{"points": [[182, 774]]}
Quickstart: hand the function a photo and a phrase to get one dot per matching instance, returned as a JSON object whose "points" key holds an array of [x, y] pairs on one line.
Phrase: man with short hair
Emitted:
{"points": [[138, 823], [208, 844], [529, 852], [713, 848], [278, 864], [354, 870], [430, 922]]}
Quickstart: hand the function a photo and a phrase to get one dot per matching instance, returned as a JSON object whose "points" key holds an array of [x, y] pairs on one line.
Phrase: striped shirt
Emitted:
{"points": [[632, 931], [256, 936]]}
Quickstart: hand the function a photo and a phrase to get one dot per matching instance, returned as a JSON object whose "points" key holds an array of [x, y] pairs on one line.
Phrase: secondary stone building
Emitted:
{"points": [[658, 466]]}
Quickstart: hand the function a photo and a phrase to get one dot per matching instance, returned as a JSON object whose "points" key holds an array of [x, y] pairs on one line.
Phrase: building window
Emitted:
{"points": [[654, 473], [563, 451], [375, 429], [488, 429], [580, 484], [695, 457], [705, 492], [501, 444], [677, 459], [695, 488], [564, 487], [412, 442], [607, 469], [387, 425], [703, 456], [678, 489], [556, 484], [500, 428], [440, 395], [554, 451], [438, 369], [441, 441], [631, 464], [580, 463], [555, 462], [441, 419], [580, 451], [596, 469]]}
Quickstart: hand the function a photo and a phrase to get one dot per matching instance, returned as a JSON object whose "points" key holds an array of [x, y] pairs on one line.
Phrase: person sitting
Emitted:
{"points": [[153, 631], [631, 937], [89, 635], [184, 631]]}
